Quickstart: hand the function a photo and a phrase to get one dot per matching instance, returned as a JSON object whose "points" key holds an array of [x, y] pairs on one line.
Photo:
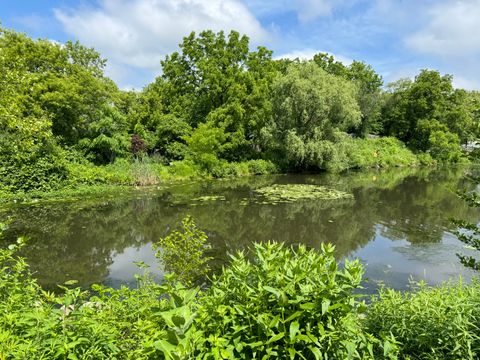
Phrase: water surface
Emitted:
{"points": [[397, 225]]}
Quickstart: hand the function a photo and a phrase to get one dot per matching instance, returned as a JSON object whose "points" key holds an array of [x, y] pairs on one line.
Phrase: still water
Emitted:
{"points": [[397, 225]]}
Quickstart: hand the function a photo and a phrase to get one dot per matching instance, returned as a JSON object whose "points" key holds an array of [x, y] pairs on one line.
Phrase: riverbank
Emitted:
{"points": [[85, 179]]}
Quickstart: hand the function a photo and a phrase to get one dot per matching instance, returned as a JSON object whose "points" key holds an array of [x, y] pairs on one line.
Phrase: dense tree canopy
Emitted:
{"points": [[217, 103], [214, 79], [310, 108], [414, 111]]}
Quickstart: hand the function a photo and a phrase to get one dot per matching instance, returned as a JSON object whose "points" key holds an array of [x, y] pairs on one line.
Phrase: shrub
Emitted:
{"points": [[445, 146], [285, 303], [184, 169], [104, 324], [380, 152], [431, 323], [224, 169], [261, 167], [182, 253]]}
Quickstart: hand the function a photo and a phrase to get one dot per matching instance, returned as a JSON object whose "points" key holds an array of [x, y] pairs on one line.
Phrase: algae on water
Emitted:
{"points": [[292, 192]]}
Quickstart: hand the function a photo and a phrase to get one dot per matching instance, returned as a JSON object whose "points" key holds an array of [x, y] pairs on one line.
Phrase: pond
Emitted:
{"points": [[395, 221]]}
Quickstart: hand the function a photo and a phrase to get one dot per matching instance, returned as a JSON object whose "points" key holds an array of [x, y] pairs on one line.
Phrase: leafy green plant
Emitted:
{"points": [[285, 303], [430, 323], [467, 232], [182, 252]]}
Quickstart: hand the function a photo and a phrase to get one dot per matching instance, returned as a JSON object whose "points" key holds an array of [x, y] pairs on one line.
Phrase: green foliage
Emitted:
{"points": [[277, 302], [107, 138], [223, 169], [430, 323], [310, 108], [205, 144], [430, 115], [285, 303], [121, 324], [444, 146], [218, 109], [468, 232], [48, 92], [368, 84], [182, 253], [216, 79], [380, 152]]}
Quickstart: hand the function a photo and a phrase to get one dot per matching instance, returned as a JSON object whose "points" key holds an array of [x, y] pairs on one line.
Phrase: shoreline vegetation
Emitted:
{"points": [[130, 175], [272, 302], [219, 110]]}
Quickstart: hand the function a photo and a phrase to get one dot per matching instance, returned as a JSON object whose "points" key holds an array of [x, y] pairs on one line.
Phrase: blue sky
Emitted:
{"points": [[397, 37]]}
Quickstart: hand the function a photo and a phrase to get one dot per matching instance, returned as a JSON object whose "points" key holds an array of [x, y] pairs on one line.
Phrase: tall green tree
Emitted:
{"points": [[310, 109], [368, 84], [29, 155], [428, 112], [216, 79]]}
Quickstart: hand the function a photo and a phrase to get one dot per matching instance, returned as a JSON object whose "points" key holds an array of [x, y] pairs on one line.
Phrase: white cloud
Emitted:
{"points": [[309, 10], [139, 33], [453, 30], [307, 54], [452, 37]]}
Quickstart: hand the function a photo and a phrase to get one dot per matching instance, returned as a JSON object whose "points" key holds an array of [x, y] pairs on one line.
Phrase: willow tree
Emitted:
{"points": [[311, 108]]}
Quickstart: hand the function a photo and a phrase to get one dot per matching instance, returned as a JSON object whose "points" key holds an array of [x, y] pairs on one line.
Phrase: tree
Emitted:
{"points": [[107, 137], [216, 79], [310, 108], [369, 98], [429, 113], [29, 156], [368, 84]]}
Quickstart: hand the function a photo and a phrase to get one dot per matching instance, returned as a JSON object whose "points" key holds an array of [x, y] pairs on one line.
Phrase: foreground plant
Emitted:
{"points": [[275, 302], [183, 253], [286, 303], [430, 323]]}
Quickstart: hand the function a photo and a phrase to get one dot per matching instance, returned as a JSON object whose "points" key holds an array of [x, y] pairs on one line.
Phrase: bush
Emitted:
{"points": [[224, 169], [45, 174], [445, 146], [103, 324], [380, 152], [261, 167], [285, 303], [431, 323], [184, 169], [181, 253], [276, 303]]}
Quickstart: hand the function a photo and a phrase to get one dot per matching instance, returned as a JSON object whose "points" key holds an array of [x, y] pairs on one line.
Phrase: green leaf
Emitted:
{"points": [[276, 337], [294, 328]]}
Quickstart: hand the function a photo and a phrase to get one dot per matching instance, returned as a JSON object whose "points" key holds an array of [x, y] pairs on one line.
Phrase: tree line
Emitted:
{"points": [[217, 102]]}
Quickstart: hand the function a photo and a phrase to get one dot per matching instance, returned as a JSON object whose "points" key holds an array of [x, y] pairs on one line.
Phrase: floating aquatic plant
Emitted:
{"points": [[292, 192], [210, 198]]}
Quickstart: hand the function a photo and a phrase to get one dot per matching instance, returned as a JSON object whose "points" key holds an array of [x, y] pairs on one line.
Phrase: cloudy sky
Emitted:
{"points": [[397, 37]]}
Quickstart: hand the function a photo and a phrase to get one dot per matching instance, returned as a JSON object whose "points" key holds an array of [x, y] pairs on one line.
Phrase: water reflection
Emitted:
{"points": [[397, 224]]}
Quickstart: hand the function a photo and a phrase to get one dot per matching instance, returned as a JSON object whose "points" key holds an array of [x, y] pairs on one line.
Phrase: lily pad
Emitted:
{"points": [[210, 198], [293, 192]]}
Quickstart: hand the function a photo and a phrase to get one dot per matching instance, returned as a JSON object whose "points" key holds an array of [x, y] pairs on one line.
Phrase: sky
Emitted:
{"points": [[396, 37]]}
